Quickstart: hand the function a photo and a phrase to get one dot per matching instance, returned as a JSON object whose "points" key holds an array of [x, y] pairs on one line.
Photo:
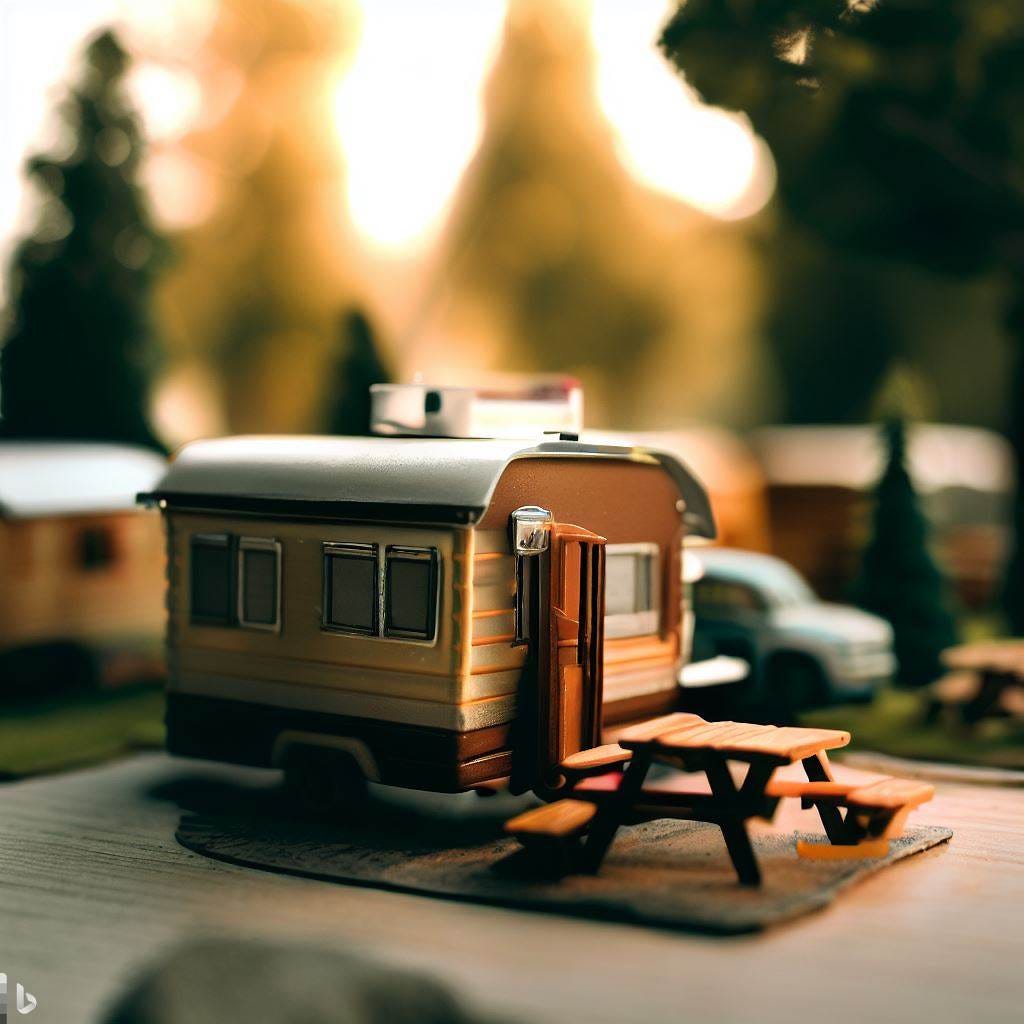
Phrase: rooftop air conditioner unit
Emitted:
{"points": [[510, 408]]}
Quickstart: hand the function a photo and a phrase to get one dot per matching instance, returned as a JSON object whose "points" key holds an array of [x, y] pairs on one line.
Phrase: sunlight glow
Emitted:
{"points": [[667, 138], [169, 101], [408, 112]]}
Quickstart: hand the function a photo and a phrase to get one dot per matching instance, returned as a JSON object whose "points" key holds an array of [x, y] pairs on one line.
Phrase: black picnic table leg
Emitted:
{"points": [[611, 814], [983, 703], [831, 817], [732, 822]]}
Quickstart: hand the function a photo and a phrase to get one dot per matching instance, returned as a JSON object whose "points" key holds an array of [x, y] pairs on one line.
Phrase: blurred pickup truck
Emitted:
{"points": [[803, 652]]}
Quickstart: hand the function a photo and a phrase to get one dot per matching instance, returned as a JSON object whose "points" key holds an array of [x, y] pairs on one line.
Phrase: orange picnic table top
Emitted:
{"points": [[736, 740]]}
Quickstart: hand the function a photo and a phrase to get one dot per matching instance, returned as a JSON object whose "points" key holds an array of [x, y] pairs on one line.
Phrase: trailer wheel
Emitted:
{"points": [[325, 781]]}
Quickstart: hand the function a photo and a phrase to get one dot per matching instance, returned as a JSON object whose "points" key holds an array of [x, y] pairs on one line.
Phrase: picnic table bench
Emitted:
{"points": [[606, 787]]}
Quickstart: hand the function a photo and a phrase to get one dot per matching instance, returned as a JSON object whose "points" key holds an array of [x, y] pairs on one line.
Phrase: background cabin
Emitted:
{"points": [[81, 566], [820, 481], [367, 595]]}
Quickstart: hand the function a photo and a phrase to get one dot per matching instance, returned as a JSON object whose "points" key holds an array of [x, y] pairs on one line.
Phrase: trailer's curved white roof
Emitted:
{"points": [[452, 478], [45, 478]]}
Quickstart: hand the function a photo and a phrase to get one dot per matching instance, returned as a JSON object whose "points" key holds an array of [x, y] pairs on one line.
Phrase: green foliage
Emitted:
{"points": [[899, 579], [358, 366], [80, 351], [895, 125], [831, 329], [68, 730], [897, 132]]}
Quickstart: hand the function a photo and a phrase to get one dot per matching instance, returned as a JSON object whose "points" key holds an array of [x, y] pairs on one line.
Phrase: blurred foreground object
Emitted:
{"points": [[899, 579], [819, 479], [81, 566], [78, 358], [895, 130], [235, 981], [508, 406]]}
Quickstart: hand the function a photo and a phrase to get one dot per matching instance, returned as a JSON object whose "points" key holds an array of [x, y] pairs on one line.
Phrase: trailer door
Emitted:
{"points": [[571, 647]]}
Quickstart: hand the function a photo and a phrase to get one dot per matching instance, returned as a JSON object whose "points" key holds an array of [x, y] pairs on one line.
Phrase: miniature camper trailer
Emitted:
{"points": [[436, 613], [80, 565]]}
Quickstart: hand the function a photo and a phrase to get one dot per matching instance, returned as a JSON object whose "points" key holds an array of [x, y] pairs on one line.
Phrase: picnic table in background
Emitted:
{"points": [[606, 787], [986, 680]]}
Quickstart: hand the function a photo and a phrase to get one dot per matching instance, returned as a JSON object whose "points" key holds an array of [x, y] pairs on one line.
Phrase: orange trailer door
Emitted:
{"points": [[571, 647]]}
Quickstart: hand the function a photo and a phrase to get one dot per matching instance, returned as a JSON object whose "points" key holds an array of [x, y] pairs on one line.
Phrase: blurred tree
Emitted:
{"points": [[554, 248], [358, 366], [899, 579], [79, 355], [830, 324], [895, 127], [265, 256]]}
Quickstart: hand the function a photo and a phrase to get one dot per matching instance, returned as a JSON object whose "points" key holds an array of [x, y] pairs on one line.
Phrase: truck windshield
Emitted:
{"points": [[787, 588]]}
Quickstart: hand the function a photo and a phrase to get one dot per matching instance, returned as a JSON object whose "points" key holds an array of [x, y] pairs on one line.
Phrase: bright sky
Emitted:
{"points": [[408, 114]]}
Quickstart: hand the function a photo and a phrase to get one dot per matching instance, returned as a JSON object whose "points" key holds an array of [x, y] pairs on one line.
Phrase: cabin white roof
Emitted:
{"points": [[939, 456], [446, 479], [43, 478]]}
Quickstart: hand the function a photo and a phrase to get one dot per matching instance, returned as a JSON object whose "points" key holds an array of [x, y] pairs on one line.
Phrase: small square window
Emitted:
{"points": [[631, 590], [259, 582], [95, 548], [411, 588], [211, 579], [351, 588]]}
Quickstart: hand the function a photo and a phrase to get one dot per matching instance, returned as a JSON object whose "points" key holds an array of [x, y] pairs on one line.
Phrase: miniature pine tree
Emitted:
{"points": [[80, 350], [899, 579], [358, 366]]}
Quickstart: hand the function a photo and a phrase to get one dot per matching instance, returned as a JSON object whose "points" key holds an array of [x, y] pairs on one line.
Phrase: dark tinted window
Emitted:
{"points": [[713, 596], [350, 577], [95, 548], [211, 579], [411, 592], [259, 586]]}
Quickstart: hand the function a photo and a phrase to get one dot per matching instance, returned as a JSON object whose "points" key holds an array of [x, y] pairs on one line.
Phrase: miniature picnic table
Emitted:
{"points": [[986, 679], [604, 789]]}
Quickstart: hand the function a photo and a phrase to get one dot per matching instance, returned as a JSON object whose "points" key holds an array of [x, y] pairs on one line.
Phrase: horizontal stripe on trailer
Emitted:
{"points": [[476, 714]]}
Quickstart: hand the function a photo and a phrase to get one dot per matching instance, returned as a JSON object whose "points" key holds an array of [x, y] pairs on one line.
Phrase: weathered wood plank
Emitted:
{"points": [[92, 884]]}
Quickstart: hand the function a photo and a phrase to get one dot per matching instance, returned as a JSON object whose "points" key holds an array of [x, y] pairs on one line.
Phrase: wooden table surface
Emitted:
{"points": [[93, 884]]}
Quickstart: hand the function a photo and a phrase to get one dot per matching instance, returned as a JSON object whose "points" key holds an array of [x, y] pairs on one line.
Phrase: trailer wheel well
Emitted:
{"points": [[357, 749]]}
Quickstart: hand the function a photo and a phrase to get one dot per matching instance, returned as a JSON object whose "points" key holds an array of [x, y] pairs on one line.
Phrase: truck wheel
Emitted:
{"points": [[794, 683], [325, 781]]}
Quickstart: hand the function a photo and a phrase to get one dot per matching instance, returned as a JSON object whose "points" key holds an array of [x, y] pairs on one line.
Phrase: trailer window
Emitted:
{"points": [[351, 588], [259, 583], [631, 590], [411, 593], [211, 582]]}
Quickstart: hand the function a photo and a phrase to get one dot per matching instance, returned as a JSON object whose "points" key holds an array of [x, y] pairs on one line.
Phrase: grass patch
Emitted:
{"points": [[76, 729], [895, 724]]}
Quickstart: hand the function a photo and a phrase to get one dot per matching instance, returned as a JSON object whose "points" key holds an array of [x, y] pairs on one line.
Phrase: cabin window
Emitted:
{"points": [[95, 548], [211, 579], [259, 583], [351, 588], [411, 592], [631, 590]]}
